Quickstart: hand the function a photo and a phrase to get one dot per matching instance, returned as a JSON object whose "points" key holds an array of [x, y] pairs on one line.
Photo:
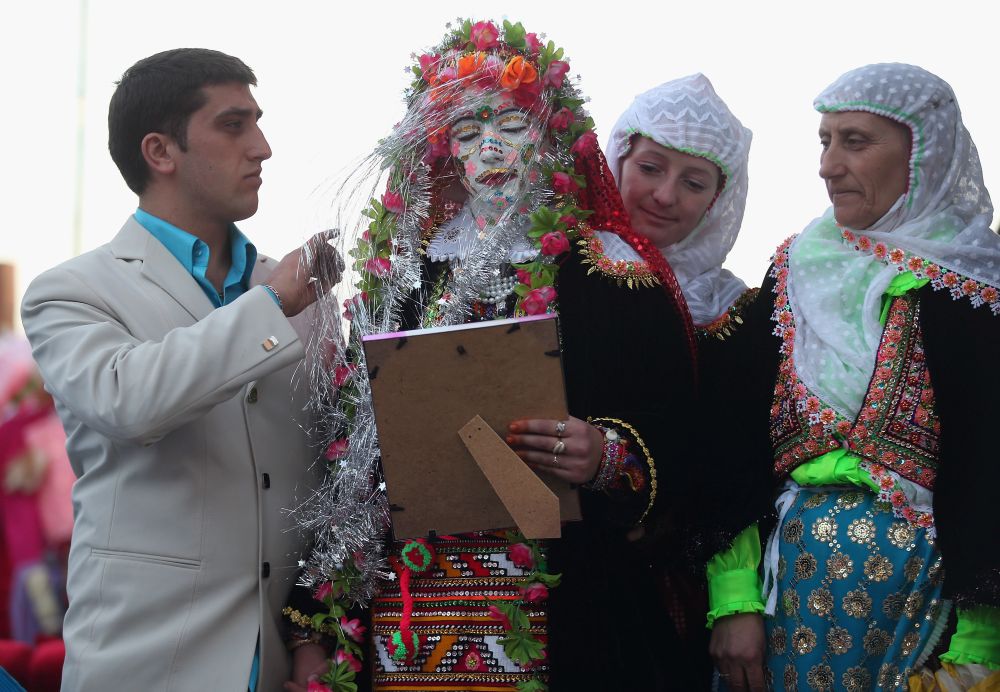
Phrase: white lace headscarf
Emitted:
{"points": [[834, 290], [687, 115]]}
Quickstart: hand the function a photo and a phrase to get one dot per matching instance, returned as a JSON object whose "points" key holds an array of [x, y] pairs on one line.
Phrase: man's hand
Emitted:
{"points": [[737, 647], [308, 663], [303, 274]]}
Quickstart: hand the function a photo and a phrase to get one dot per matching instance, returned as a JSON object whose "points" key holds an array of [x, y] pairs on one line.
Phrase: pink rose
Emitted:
{"points": [[498, 615], [584, 144], [353, 629], [352, 663], [534, 592], [524, 276], [337, 449], [533, 43], [378, 266], [342, 373], [563, 183], [568, 219], [537, 300], [556, 74], [555, 243], [427, 61], [520, 555], [484, 35], [324, 591], [393, 201], [317, 686], [561, 119]]}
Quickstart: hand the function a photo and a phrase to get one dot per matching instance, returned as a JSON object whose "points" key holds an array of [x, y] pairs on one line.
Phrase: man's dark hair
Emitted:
{"points": [[159, 94]]}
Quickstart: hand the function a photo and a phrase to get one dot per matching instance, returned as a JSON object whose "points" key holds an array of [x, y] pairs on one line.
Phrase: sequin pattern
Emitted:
{"points": [[855, 609]]}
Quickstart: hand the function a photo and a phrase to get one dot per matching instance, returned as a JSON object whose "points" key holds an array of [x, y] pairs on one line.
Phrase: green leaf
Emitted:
{"points": [[521, 647], [533, 685], [550, 580], [318, 620], [521, 290]]}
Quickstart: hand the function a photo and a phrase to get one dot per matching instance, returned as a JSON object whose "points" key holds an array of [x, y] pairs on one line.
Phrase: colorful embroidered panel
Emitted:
{"points": [[459, 637], [897, 426]]}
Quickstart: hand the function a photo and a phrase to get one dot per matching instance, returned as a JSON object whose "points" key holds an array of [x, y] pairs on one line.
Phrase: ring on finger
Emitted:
{"points": [[555, 459], [559, 447], [560, 428]]}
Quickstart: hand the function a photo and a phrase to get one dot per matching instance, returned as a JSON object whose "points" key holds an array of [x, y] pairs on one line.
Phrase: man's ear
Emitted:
{"points": [[158, 150]]}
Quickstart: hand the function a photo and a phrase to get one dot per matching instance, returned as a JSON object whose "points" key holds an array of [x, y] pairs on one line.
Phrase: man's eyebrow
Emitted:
{"points": [[240, 112]]}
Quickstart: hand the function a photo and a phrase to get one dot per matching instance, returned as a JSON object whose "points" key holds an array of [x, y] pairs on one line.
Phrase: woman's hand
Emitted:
{"points": [[737, 647], [570, 450]]}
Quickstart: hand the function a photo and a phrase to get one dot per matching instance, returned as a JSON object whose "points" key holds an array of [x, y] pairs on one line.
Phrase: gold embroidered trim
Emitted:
{"points": [[727, 323], [632, 273], [649, 460]]}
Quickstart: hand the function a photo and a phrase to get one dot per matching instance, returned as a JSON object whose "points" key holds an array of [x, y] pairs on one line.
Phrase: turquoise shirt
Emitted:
{"points": [[192, 253]]}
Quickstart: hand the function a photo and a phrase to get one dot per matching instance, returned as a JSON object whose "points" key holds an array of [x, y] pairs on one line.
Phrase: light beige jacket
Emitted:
{"points": [[184, 431]]}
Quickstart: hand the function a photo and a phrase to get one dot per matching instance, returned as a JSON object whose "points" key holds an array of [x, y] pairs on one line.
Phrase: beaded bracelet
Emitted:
{"points": [[611, 460], [645, 451]]}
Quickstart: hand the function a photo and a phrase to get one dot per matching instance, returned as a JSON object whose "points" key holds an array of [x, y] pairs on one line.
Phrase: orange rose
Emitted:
{"points": [[517, 72], [467, 64]]}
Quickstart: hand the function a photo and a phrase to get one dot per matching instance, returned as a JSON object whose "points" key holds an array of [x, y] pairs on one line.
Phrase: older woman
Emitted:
{"points": [[680, 159], [496, 200], [881, 320]]}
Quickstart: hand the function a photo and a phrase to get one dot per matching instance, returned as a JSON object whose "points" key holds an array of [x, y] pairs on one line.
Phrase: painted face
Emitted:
{"points": [[493, 145], [219, 173], [865, 163], [666, 192]]}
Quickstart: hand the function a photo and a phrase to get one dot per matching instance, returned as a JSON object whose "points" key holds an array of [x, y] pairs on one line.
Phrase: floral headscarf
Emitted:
{"points": [[687, 115], [939, 229]]}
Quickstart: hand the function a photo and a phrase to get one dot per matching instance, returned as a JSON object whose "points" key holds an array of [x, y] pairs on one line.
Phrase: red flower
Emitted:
{"points": [[569, 220], [554, 243], [342, 373], [534, 592], [498, 615], [970, 286], [950, 279], [393, 201], [881, 250], [524, 276], [353, 629], [520, 555], [337, 449], [584, 143], [533, 43], [915, 264], [325, 590], [526, 95], [561, 119], [988, 294], [317, 686], [537, 300], [563, 183], [865, 243], [556, 74], [378, 266], [352, 663], [484, 35]]}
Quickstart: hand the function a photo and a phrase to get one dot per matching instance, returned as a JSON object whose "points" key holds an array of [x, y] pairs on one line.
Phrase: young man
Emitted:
{"points": [[171, 358]]}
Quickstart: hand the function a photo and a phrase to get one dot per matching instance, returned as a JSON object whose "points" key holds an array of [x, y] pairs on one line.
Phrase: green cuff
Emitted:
{"points": [[732, 592], [976, 638]]}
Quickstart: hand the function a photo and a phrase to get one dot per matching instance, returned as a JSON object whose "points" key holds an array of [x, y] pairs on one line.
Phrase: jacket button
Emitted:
{"points": [[265, 570], [252, 395], [265, 481]]}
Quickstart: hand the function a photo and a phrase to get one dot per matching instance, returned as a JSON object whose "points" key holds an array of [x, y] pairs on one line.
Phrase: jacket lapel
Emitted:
{"points": [[134, 242]]}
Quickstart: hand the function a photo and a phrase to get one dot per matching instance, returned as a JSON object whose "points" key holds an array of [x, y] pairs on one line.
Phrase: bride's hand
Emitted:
{"points": [[570, 450]]}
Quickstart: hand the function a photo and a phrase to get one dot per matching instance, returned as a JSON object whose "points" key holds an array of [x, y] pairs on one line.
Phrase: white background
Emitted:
{"points": [[331, 78]]}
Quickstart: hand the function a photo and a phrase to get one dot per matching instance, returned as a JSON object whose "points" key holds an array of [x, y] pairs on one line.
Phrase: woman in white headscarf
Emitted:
{"points": [[872, 346], [680, 159]]}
